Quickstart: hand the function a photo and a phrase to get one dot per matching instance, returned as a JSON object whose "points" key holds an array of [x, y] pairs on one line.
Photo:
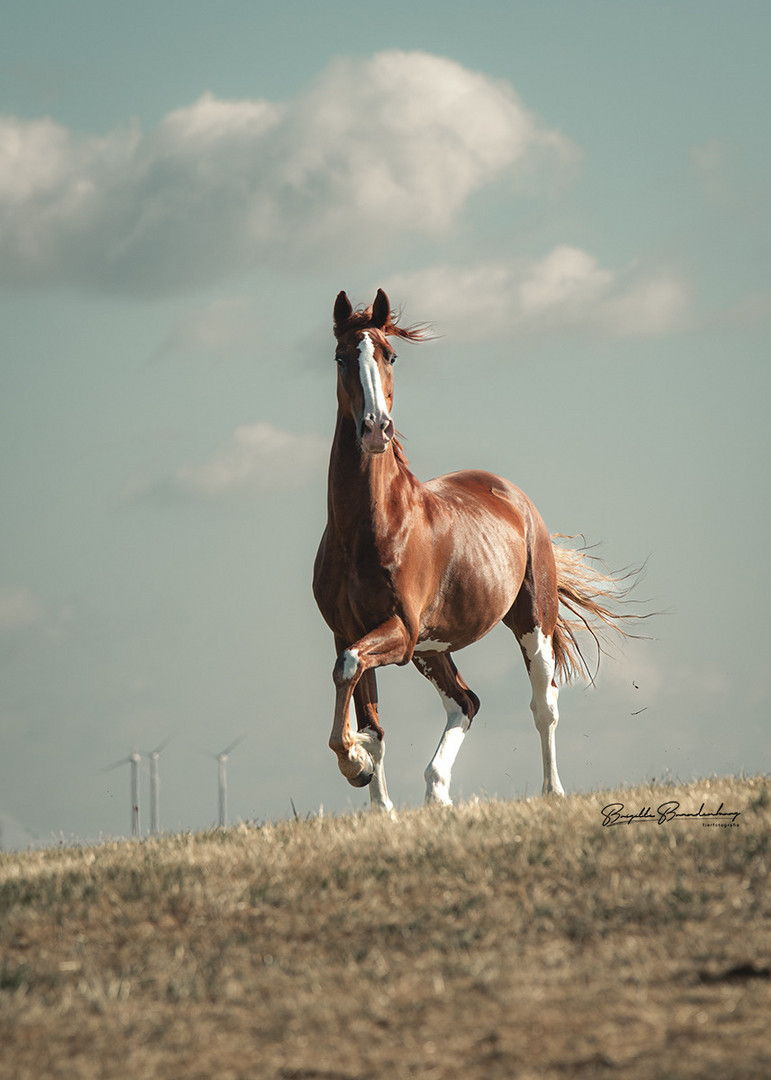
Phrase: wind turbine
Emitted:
{"points": [[155, 783], [135, 760], [222, 761]]}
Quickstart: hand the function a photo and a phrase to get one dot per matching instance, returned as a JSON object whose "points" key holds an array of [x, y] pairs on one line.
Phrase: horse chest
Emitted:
{"points": [[353, 588]]}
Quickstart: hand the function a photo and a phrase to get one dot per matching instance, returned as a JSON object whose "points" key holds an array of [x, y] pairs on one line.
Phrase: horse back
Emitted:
{"points": [[482, 498]]}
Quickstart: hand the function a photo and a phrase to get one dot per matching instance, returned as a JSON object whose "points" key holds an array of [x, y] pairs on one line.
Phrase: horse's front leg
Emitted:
{"points": [[360, 754], [372, 737]]}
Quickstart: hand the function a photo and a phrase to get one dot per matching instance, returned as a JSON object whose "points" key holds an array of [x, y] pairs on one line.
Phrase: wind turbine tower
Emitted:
{"points": [[222, 771], [155, 784], [135, 760]]}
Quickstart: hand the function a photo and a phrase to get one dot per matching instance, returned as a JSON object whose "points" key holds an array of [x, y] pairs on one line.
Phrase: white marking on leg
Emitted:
{"points": [[432, 646], [543, 704], [439, 771], [350, 664], [378, 792]]}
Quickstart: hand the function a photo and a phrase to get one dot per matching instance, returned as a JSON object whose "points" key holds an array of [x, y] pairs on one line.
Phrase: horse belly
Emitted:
{"points": [[478, 587]]}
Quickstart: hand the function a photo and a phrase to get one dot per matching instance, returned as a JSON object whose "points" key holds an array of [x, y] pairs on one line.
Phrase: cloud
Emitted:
{"points": [[21, 609], [376, 151], [566, 289], [225, 325], [254, 460]]}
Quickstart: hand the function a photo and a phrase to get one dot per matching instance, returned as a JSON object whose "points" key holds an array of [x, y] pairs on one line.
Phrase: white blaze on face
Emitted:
{"points": [[375, 404]]}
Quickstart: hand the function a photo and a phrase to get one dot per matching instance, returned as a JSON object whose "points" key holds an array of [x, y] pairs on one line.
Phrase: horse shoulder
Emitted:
{"points": [[328, 577]]}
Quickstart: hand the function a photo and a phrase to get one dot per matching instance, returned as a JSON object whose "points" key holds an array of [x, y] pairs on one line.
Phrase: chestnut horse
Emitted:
{"points": [[412, 571]]}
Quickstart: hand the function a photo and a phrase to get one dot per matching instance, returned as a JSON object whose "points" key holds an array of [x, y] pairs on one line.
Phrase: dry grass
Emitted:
{"points": [[495, 940]]}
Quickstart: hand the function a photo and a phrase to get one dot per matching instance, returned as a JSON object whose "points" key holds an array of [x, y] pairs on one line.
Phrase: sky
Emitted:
{"points": [[575, 195]]}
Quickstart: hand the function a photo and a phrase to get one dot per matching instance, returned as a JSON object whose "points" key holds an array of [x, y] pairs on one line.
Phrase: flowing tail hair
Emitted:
{"points": [[591, 594]]}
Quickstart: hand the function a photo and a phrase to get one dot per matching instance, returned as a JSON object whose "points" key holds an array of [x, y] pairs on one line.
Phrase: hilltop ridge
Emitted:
{"points": [[494, 939]]}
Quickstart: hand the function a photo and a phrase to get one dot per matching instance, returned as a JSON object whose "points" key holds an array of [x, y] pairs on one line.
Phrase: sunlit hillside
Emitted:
{"points": [[496, 940]]}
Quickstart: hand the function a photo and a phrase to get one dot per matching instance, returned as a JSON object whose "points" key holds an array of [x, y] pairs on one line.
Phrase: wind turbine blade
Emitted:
{"points": [[158, 748], [116, 765], [233, 745], [206, 753]]}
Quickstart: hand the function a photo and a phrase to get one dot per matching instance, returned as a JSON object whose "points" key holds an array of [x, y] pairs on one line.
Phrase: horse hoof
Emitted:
{"points": [[362, 779]]}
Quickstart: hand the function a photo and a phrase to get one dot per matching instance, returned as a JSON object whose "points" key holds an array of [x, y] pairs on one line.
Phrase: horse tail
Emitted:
{"points": [[591, 595]]}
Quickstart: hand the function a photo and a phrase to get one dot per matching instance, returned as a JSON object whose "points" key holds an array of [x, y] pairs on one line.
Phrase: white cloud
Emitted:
{"points": [[377, 150], [22, 609], [566, 289], [645, 304], [565, 282], [225, 325], [255, 459]]}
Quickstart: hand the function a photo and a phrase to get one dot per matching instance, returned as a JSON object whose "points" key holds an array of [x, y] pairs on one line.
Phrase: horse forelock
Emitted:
{"points": [[361, 319]]}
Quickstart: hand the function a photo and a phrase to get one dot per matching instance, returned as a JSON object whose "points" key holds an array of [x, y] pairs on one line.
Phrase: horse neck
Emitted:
{"points": [[361, 484]]}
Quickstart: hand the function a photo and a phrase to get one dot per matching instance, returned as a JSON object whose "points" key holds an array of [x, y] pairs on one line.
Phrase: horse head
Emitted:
{"points": [[365, 381]]}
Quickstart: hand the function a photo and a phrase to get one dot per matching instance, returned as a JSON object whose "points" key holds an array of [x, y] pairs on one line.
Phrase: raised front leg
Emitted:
{"points": [[388, 644]]}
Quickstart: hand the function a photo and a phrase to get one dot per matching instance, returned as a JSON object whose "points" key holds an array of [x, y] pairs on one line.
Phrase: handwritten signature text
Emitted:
{"points": [[613, 814]]}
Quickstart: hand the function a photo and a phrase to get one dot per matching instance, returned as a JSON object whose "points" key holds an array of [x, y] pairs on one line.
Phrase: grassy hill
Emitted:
{"points": [[494, 940]]}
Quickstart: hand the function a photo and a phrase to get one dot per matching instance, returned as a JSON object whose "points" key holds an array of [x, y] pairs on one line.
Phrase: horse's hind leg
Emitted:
{"points": [[539, 660], [461, 706], [371, 736], [531, 619]]}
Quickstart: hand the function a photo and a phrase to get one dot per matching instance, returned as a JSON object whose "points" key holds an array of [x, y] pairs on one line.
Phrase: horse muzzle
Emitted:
{"points": [[376, 433]]}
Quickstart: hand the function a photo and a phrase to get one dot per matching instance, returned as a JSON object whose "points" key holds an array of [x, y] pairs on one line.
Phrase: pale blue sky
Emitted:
{"points": [[574, 194]]}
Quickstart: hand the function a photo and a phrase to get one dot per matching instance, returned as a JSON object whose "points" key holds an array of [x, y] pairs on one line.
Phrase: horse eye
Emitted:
{"points": [[340, 361], [392, 358]]}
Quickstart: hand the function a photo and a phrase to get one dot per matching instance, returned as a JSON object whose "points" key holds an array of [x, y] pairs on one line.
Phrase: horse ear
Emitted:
{"points": [[343, 311], [381, 311]]}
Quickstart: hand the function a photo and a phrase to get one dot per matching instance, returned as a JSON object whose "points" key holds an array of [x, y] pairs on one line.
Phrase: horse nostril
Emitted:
{"points": [[377, 429]]}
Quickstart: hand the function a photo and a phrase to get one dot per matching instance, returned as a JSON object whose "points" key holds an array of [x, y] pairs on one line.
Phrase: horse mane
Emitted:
{"points": [[399, 453]]}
